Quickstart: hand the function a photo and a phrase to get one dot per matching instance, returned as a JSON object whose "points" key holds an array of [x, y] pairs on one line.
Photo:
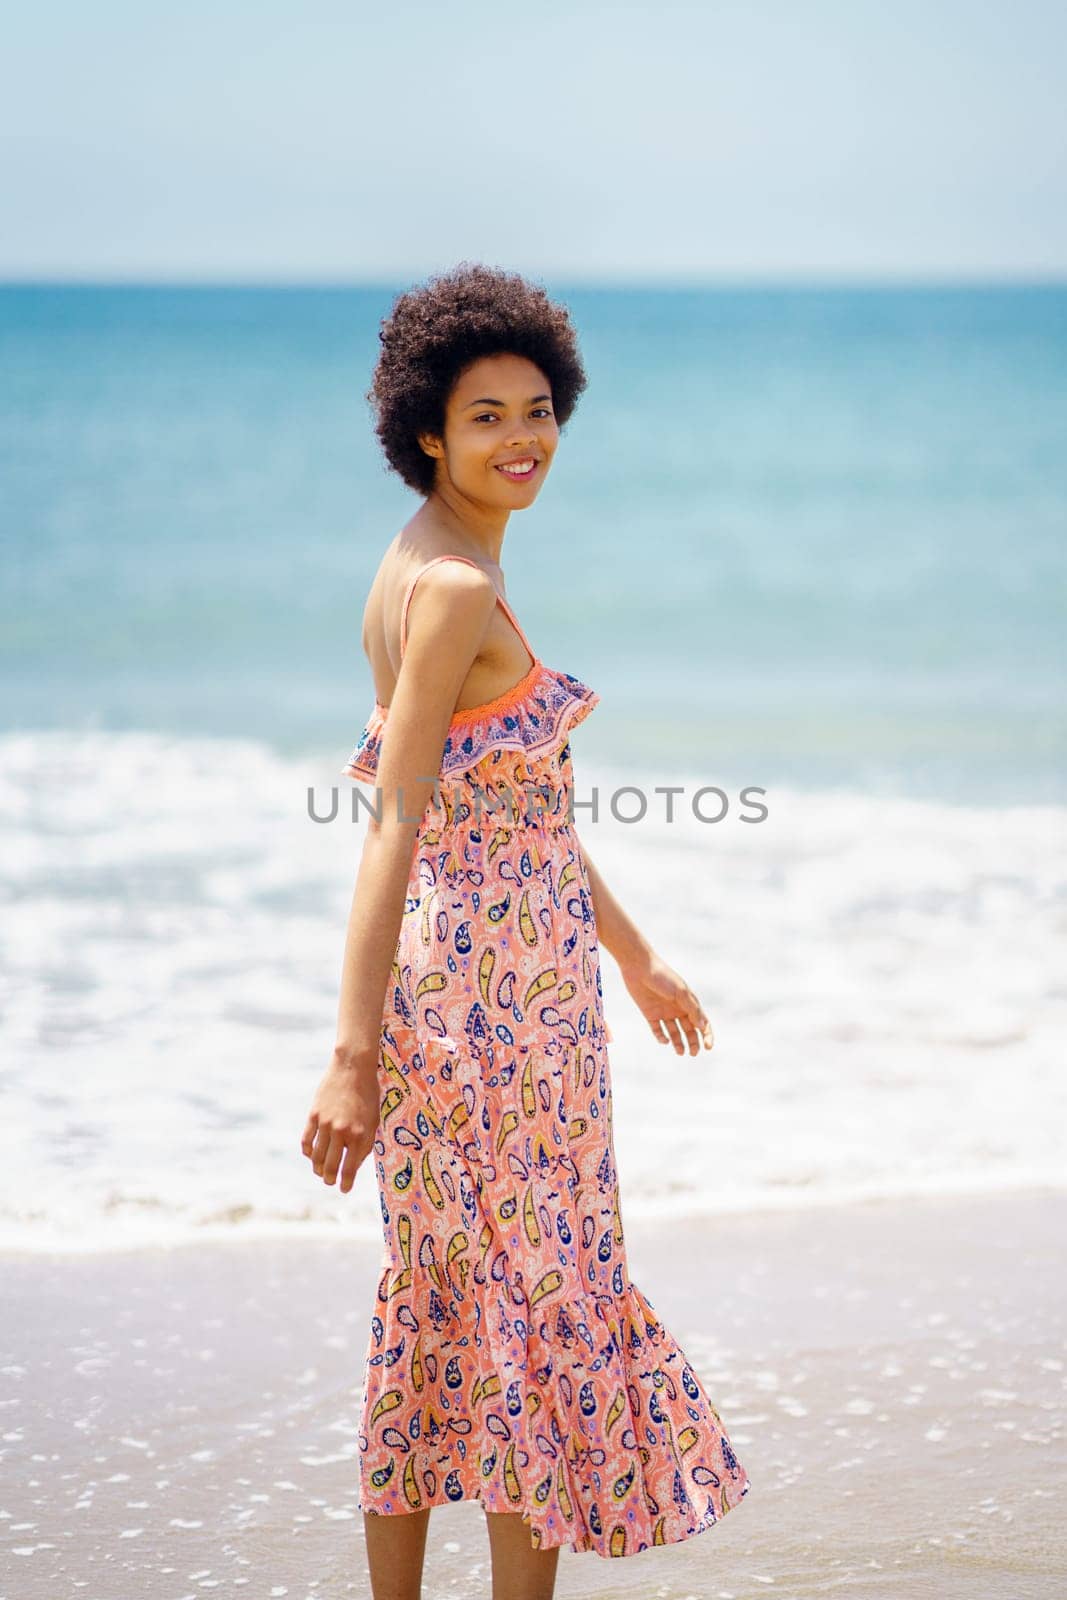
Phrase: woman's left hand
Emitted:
{"points": [[670, 1007]]}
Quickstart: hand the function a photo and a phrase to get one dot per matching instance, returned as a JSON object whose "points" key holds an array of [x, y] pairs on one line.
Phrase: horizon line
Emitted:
{"points": [[660, 282]]}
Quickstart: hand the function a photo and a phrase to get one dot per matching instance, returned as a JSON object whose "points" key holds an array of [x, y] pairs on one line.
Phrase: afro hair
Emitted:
{"points": [[435, 331]]}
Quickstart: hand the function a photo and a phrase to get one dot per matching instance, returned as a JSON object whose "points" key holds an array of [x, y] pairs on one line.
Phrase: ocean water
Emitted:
{"points": [[808, 541]]}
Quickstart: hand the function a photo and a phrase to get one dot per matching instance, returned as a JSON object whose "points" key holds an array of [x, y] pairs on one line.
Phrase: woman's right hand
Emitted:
{"points": [[343, 1121]]}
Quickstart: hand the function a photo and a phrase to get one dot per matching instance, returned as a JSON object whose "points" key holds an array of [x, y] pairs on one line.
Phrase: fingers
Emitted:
{"points": [[328, 1148], [689, 1029], [697, 1024], [349, 1169], [675, 1032], [692, 1037], [333, 1158], [701, 1027], [326, 1152], [320, 1148], [334, 1152], [665, 1030]]}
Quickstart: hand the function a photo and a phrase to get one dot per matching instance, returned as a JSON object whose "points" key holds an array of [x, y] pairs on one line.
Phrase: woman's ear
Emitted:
{"points": [[430, 444]]}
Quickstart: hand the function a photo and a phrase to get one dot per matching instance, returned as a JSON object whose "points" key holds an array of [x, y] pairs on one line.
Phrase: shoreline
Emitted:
{"points": [[324, 1232]]}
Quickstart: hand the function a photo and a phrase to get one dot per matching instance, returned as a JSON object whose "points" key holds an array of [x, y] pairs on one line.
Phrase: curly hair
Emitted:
{"points": [[435, 331]]}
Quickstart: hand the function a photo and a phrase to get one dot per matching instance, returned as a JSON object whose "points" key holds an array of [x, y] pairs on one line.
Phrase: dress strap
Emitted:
{"points": [[468, 562]]}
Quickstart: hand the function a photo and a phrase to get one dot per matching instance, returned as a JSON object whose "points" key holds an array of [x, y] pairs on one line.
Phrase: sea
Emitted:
{"points": [[808, 544]]}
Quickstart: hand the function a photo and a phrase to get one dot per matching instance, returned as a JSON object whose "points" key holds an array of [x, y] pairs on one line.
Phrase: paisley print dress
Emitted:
{"points": [[511, 1357]]}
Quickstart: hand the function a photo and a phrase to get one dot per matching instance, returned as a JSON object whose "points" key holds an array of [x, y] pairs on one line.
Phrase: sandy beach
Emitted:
{"points": [[182, 1420]]}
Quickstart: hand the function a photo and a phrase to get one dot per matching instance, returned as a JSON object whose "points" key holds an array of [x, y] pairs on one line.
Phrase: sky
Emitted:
{"points": [[314, 141]]}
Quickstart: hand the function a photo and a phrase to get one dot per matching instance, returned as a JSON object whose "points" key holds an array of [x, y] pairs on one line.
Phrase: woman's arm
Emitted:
{"points": [[448, 618], [666, 1001], [616, 932]]}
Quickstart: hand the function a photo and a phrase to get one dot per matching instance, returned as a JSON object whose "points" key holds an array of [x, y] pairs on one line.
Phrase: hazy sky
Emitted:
{"points": [[323, 141]]}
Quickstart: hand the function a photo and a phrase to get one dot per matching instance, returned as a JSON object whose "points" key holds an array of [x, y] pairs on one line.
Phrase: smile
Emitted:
{"points": [[520, 469]]}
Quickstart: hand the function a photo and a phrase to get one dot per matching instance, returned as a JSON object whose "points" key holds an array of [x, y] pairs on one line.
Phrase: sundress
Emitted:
{"points": [[511, 1358]]}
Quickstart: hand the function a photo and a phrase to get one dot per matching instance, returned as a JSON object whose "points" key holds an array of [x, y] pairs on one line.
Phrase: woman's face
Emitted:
{"points": [[499, 411]]}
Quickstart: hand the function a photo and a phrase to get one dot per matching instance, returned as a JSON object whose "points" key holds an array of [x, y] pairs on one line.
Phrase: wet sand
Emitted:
{"points": [[892, 1375]]}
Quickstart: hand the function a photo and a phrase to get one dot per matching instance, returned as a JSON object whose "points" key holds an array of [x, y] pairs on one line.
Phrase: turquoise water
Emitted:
{"points": [[808, 536], [806, 540]]}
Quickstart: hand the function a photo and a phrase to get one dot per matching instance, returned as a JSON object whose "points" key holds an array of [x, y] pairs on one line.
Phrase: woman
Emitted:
{"points": [[511, 1358]]}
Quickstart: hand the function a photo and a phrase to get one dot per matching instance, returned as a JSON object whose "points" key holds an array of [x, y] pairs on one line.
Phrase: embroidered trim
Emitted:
{"points": [[535, 717]]}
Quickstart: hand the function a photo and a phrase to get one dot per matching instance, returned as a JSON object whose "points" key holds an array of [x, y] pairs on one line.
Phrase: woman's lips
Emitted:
{"points": [[519, 477]]}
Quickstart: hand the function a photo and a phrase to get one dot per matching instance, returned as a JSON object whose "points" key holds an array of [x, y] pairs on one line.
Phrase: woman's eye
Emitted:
{"points": [[482, 415]]}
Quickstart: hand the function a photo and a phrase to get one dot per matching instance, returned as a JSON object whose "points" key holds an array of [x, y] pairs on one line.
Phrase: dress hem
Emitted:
{"points": [[585, 1547]]}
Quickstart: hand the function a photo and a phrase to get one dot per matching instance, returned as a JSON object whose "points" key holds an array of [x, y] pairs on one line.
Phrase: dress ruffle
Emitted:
{"points": [[535, 718], [551, 1416]]}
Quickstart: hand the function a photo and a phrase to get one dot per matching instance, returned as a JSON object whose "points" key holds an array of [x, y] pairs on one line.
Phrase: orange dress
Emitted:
{"points": [[511, 1358]]}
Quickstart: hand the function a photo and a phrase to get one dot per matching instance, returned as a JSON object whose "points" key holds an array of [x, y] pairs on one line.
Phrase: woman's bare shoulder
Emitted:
{"points": [[403, 563]]}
